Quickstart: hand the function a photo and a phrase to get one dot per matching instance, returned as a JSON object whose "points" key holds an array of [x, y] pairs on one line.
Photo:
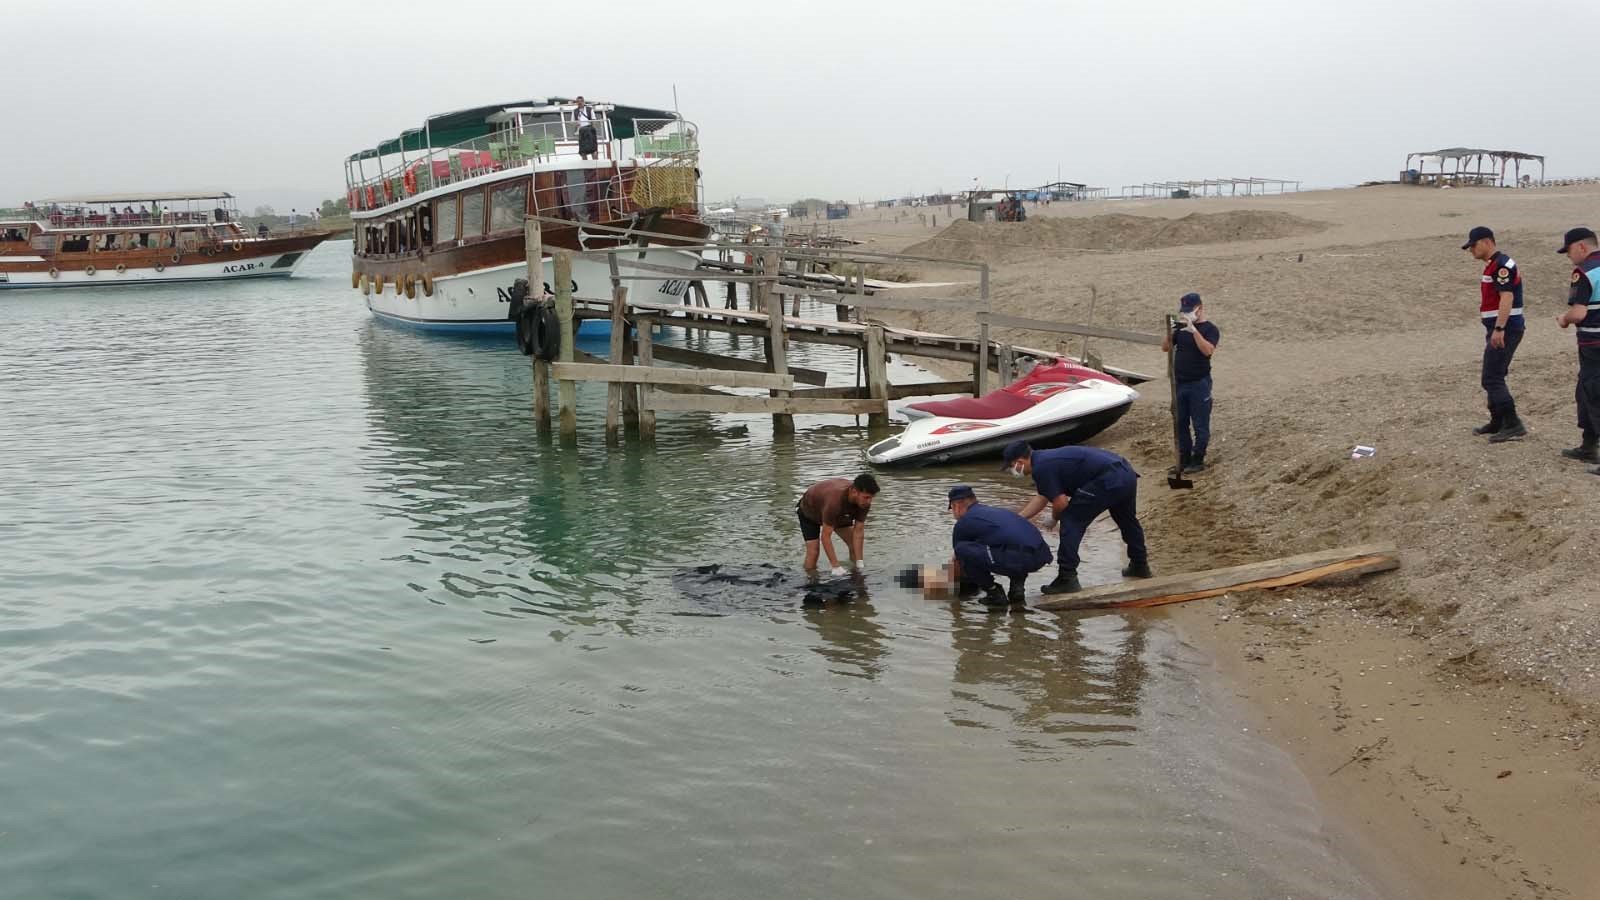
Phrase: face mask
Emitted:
{"points": [[1016, 472], [1190, 316]]}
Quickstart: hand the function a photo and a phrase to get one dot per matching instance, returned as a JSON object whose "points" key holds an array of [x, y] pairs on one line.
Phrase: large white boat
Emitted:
{"points": [[439, 210], [160, 237]]}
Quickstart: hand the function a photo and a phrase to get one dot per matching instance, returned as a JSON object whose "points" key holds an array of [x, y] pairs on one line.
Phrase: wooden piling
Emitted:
{"points": [[981, 376], [777, 336], [619, 334], [877, 374], [567, 391], [533, 247], [645, 354]]}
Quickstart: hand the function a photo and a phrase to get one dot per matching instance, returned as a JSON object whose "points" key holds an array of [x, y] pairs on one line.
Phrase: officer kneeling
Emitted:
{"points": [[990, 541]]}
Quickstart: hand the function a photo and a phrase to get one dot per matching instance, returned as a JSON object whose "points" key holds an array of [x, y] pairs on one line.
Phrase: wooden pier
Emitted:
{"points": [[637, 388]]}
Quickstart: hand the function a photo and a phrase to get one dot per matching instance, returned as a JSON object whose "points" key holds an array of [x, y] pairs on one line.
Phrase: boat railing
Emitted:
{"points": [[663, 141]]}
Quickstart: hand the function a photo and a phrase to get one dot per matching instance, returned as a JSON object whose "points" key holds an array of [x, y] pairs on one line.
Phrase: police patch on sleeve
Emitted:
{"points": [[1503, 276], [1577, 276]]}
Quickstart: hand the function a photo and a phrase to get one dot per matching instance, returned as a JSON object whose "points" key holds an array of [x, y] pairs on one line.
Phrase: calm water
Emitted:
{"points": [[299, 605]]}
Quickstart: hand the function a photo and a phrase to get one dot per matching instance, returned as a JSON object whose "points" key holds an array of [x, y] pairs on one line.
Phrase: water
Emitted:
{"points": [[294, 604]]}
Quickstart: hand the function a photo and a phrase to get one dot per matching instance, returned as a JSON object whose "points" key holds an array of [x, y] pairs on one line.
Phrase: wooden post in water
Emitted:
{"points": [[980, 379], [619, 334], [877, 374], [777, 335], [646, 355], [567, 391], [533, 246]]}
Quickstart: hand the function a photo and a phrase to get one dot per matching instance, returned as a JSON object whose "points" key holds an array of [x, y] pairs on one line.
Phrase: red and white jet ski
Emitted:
{"points": [[1056, 403]]}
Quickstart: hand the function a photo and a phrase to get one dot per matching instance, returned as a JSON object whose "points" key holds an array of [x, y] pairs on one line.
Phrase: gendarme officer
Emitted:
{"points": [[1500, 308], [1583, 311], [1192, 345]]}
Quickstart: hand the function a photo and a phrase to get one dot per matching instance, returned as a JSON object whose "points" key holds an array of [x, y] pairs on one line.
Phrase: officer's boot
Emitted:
{"points": [[1140, 569], [1512, 430], [1588, 451], [1065, 583], [1019, 590], [994, 598], [1492, 426]]}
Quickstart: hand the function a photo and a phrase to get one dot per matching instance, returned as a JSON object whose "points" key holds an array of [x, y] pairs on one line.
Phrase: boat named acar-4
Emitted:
{"points": [[439, 210], [96, 240]]}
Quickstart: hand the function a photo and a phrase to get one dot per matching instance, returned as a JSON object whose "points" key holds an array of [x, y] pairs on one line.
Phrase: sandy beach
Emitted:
{"points": [[1446, 708]]}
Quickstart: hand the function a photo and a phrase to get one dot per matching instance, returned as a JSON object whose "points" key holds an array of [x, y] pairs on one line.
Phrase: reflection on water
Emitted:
{"points": [[305, 607]]}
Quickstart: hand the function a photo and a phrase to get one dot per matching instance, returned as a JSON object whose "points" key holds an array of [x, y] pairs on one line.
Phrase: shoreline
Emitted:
{"points": [[1404, 697]]}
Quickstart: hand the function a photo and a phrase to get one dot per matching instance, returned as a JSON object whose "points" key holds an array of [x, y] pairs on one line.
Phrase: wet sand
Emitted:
{"points": [[1365, 331]]}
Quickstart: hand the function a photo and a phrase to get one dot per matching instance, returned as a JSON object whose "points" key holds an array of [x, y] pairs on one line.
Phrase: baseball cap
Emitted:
{"points": [[1477, 234], [1188, 301], [1575, 235], [1013, 452], [960, 492]]}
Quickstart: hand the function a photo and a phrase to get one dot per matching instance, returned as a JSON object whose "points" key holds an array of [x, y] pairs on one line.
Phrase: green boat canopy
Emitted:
{"points": [[452, 128]]}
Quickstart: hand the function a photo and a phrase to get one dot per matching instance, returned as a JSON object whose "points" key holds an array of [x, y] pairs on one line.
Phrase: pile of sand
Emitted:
{"points": [[997, 242]]}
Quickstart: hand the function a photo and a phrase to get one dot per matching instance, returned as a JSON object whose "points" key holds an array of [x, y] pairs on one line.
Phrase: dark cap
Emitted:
{"points": [[960, 492], [1482, 232], [1188, 301], [1575, 235], [1014, 451]]}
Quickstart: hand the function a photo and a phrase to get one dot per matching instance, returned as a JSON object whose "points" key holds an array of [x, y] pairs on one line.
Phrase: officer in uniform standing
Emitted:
{"points": [[1583, 311], [1500, 307], [1192, 344], [990, 541], [1078, 484]]}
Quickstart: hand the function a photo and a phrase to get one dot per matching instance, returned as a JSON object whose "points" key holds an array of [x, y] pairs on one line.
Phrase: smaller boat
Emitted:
{"points": [[1056, 403]]}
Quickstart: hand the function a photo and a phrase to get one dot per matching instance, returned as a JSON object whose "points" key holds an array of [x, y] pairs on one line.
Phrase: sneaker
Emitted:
{"points": [[1512, 431], [1583, 453], [1136, 570], [1490, 427], [1019, 590], [994, 598], [1065, 583]]}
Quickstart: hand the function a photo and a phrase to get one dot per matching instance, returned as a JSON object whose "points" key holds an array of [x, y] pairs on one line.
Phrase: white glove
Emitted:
{"points": [[861, 565], [838, 570]]}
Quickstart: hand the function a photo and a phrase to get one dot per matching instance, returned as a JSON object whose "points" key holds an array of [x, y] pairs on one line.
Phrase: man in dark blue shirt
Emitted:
{"points": [[1078, 484], [1583, 311], [990, 541], [1192, 343]]}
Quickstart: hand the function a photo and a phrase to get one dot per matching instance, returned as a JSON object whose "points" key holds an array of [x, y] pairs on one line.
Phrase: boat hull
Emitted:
{"points": [[478, 302], [276, 258]]}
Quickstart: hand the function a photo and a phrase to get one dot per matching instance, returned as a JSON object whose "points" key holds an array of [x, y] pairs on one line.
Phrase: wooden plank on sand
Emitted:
{"points": [[1275, 573]]}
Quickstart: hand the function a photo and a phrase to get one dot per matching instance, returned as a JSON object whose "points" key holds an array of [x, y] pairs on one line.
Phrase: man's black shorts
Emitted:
{"points": [[809, 530]]}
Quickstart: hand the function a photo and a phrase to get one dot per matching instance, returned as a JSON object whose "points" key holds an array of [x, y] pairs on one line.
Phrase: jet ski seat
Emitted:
{"points": [[1001, 404]]}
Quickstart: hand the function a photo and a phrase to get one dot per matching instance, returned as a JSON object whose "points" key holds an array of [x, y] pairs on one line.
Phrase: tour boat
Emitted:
{"points": [[152, 238], [1054, 404], [439, 210]]}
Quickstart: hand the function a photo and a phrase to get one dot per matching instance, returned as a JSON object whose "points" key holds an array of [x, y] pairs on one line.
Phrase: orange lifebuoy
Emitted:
{"points": [[411, 287], [427, 284], [411, 181]]}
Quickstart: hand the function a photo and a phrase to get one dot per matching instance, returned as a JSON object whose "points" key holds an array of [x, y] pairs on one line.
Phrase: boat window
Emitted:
{"points": [[509, 205], [445, 215], [471, 214], [163, 239], [425, 223], [143, 239], [13, 234], [107, 242], [188, 240], [75, 243]]}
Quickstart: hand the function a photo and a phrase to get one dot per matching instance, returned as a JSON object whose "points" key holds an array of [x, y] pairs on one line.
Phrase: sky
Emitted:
{"points": [[839, 100]]}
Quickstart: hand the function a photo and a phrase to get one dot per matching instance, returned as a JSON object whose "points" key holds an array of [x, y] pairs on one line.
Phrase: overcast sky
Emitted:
{"points": [[836, 99]]}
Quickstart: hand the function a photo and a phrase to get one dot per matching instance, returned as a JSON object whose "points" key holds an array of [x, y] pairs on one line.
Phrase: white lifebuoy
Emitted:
{"points": [[160, 267], [121, 268], [88, 270], [427, 284], [237, 246], [176, 256], [55, 272]]}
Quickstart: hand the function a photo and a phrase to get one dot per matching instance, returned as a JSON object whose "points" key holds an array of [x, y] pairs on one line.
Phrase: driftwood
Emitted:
{"points": [[1277, 573]]}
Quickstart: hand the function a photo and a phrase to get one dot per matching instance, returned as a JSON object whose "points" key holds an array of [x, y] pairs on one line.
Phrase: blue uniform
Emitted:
{"points": [[1586, 292], [990, 541], [1095, 481], [1193, 371]]}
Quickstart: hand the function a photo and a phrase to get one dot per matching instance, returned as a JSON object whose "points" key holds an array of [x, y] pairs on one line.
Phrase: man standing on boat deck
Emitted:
{"points": [[1078, 484], [1192, 344], [1583, 311], [1500, 307], [836, 505], [989, 541], [588, 142]]}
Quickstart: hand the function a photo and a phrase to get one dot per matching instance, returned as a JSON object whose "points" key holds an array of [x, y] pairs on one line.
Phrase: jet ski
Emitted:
{"points": [[1056, 403]]}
